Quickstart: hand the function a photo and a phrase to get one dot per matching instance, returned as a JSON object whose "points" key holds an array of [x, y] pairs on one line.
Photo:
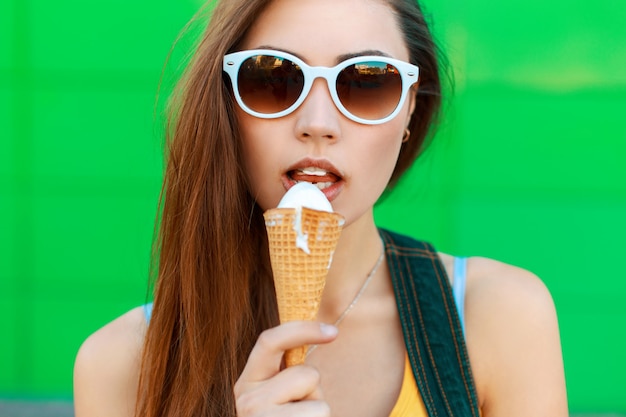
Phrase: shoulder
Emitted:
{"points": [[513, 340], [106, 369], [507, 302], [502, 283]]}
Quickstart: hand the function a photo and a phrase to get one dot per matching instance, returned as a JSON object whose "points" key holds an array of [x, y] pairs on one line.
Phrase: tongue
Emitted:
{"points": [[300, 176]]}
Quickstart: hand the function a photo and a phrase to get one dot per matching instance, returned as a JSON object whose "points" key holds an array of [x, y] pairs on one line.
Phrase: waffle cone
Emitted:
{"points": [[299, 277]]}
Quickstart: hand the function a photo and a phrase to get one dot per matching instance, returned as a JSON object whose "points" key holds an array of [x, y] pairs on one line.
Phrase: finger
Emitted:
{"points": [[314, 408], [315, 395], [306, 409], [300, 409], [291, 385], [265, 358]]}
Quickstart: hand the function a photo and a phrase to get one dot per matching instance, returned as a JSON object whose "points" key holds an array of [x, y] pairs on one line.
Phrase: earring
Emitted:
{"points": [[405, 137]]}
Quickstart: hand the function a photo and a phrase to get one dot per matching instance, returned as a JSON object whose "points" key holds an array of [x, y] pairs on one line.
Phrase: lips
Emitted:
{"points": [[319, 177], [318, 172]]}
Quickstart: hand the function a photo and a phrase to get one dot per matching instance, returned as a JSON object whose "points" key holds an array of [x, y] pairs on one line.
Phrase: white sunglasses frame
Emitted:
{"points": [[409, 74]]}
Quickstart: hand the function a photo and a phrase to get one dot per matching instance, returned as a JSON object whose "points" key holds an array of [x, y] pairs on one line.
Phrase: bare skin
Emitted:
{"points": [[511, 325], [511, 331], [106, 371]]}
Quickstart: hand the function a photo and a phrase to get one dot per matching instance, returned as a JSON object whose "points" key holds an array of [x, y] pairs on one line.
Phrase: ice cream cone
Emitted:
{"points": [[300, 259]]}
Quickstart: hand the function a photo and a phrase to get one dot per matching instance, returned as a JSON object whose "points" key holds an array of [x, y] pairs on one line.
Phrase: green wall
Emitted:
{"points": [[528, 168]]}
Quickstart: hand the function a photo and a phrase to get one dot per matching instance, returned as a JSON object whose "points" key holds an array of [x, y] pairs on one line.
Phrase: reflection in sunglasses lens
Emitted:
{"points": [[370, 90], [269, 84]]}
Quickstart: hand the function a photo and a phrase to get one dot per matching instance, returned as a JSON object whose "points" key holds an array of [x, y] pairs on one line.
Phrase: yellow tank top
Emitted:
{"points": [[409, 402]]}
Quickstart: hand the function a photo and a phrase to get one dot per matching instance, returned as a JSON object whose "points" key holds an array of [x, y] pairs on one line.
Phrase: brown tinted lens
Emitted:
{"points": [[370, 90], [269, 84]]}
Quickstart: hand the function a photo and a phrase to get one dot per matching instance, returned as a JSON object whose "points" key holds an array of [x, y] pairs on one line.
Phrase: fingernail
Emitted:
{"points": [[328, 329]]}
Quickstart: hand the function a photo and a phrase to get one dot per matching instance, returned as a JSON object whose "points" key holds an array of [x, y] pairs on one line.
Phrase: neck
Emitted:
{"points": [[358, 250]]}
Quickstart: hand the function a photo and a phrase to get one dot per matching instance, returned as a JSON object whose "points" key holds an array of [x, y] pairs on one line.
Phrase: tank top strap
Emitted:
{"points": [[147, 311], [458, 287]]}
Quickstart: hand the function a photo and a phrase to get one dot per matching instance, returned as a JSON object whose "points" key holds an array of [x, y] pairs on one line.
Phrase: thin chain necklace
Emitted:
{"points": [[358, 294]]}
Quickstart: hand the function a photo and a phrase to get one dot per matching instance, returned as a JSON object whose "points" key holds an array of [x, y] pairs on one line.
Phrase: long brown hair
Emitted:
{"points": [[214, 292]]}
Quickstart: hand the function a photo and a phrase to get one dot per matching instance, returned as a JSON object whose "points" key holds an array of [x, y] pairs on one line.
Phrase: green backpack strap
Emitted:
{"points": [[432, 327]]}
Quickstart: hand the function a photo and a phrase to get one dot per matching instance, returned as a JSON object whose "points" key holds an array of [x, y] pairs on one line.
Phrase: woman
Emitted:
{"points": [[389, 338]]}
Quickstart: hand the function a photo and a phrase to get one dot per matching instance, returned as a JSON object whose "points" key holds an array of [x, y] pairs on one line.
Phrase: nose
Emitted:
{"points": [[317, 116]]}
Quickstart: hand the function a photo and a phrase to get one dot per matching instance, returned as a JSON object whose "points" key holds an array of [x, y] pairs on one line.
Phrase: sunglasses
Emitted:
{"points": [[366, 89]]}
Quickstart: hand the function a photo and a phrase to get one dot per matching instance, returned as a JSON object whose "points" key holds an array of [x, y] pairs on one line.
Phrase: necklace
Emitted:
{"points": [[358, 294]]}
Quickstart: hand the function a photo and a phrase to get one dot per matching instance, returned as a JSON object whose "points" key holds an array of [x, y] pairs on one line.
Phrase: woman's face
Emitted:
{"points": [[351, 162]]}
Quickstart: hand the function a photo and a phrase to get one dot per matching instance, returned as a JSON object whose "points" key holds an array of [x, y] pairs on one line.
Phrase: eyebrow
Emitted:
{"points": [[340, 58], [370, 52]]}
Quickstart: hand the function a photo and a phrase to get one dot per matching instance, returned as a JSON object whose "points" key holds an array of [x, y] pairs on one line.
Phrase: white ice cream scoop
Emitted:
{"points": [[305, 194]]}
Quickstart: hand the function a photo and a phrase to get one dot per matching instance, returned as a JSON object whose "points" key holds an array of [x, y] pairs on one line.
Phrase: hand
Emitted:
{"points": [[263, 389]]}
